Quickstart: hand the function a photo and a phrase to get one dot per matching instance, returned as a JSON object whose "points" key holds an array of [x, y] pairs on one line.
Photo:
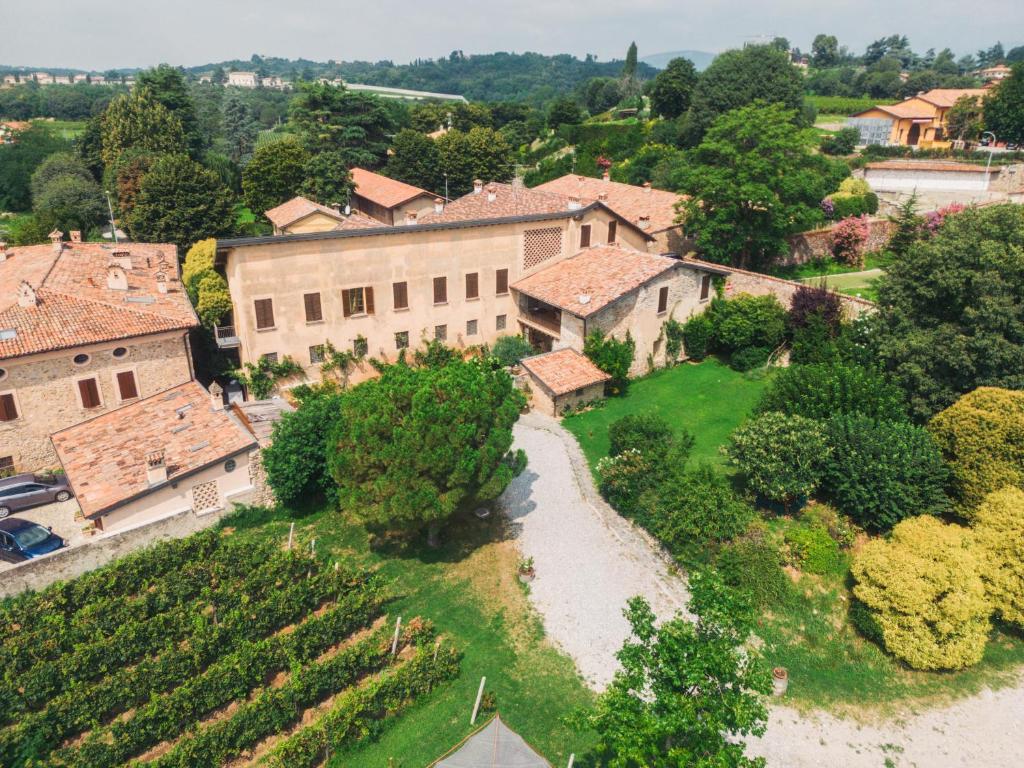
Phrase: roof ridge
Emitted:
{"points": [[101, 302]]}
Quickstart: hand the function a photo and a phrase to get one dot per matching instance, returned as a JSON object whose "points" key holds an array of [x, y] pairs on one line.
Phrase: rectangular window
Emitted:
{"points": [[6, 466], [501, 282], [360, 346], [270, 357], [472, 285], [662, 299], [89, 391], [613, 230], [401, 291], [705, 287], [8, 408], [585, 236], [127, 389], [316, 353], [314, 312], [471, 327], [402, 340], [357, 301], [440, 290], [499, 322], [264, 313], [441, 332]]}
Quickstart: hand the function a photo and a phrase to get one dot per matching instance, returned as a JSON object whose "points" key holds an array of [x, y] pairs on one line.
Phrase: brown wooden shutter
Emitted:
{"points": [[585, 236], [613, 228], [472, 285], [501, 281], [264, 313], [346, 302], [8, 409], [401, 291], [705, 286], [89, 392], [440, 290], [662, 299], [126, 385], [314, 310], [368, 299]]}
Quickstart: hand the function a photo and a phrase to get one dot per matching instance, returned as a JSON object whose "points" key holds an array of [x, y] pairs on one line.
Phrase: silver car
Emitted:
{"points": [[20, 492]]}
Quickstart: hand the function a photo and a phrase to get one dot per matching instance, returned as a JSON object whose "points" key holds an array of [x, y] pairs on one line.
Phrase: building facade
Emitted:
{"points": [[920, 121]]}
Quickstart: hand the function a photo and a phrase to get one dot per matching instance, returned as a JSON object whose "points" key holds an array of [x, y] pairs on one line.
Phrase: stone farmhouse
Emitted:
{"points": [[919, 121]]}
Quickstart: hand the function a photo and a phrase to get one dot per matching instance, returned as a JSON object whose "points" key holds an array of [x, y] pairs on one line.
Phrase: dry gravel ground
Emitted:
{"points": [[590, 561]]}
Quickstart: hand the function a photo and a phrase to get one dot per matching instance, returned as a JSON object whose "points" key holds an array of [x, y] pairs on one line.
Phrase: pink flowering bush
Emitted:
{"points": [[847, 240], [934, 220]]}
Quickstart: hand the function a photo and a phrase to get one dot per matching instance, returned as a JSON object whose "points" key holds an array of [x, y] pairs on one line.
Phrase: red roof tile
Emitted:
{"points": [[629, 201], [947, 97], [592, 279], [70, 303], [298, 208], [509, 200], [384, 191], [564, 371], [105, 457]]}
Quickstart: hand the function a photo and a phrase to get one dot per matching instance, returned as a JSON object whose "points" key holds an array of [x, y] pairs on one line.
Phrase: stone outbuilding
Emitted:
{"points": [[563, 380]]}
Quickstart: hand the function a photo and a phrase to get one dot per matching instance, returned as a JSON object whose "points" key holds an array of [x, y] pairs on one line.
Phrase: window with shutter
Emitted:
{"points": [[126, 386], [8, 408], [89, 392], [401, 291], [585, 236], [354, 301], [368, 299], [501, 282], [440, 290], [662, 299], [613, 230], [472, 285], [705, 287], [264, 313], [314, 310]]}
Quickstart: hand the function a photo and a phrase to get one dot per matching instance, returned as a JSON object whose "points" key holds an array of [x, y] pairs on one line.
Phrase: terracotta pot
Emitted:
{"points": [[527, 576], [780, 680]]}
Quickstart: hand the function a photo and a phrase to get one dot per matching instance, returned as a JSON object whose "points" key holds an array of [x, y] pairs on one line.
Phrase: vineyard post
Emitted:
{"points": [[437, 647], [479, 695], [572, 759], [291, 535], [394, 642]]}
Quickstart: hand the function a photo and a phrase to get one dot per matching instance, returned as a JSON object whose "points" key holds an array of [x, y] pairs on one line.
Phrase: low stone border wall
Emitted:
{"points": [[814, 244], [756, 284]]}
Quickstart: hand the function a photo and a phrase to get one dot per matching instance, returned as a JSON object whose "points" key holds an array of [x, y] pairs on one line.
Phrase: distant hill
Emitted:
{"points": [[700, 59]]}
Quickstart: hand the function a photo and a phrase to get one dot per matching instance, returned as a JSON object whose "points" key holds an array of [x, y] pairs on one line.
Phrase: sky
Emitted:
{"points": [[105, 34]]}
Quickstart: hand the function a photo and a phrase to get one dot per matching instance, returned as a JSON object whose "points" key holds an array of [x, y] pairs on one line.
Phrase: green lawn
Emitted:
{"points": [[707, 399], [470, 590], [863, 284]]}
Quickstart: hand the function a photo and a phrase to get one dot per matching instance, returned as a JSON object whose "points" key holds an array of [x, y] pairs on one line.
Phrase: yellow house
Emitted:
{"points": [[919, 121]]}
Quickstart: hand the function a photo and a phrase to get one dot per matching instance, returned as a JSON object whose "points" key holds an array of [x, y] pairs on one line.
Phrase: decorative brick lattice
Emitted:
{"points": [[205, 496], [539, 245]]}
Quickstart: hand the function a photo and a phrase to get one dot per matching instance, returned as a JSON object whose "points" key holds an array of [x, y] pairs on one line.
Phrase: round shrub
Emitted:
{"points": [[698, 333], [847, 240], [821, 391], [748, 321], [982, 437], [638, 431], [813, 342], [813, 302], [999, 531], [752, 564], [781, 456], [509, 350], [623, 478], [812, 549], [880, 472], [924, 589], [749, 358]]}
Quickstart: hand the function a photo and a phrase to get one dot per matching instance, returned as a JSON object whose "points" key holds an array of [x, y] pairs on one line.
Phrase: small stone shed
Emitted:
{"points": [[495, 745], [563, 379]]}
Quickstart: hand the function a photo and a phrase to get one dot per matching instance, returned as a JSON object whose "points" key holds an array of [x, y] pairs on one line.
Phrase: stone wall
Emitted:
{"points": [[815, 245], [755, 284]]}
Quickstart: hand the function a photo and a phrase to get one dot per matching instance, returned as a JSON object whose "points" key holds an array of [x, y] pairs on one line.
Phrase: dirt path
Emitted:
{"points": [[589, 561]]}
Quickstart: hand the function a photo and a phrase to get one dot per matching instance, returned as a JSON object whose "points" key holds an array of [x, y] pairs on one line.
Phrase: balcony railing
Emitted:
{"points": [[543, 316], [226, 337]]}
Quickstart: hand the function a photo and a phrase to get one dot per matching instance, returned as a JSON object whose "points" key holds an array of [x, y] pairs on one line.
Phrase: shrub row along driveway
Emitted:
{"points": [[590, 561]]}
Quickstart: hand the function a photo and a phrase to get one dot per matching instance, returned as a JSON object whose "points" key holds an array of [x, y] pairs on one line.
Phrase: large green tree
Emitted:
{"points": [[137, 120], [180, 202], [275, 174], [57, 165], [69, 201], [416, 445], [167, 85], [1004, 107], [415, 160], [753, 181], [951, 313], [737, 78], [482, 153], [688, 691], [240, 127], [18, 161], [327, 179], [672, 88], [825, 51], [330, 118]]}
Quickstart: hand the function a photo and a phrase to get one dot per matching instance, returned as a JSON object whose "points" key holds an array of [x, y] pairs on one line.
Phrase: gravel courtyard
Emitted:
{"points": [[590, 561]]}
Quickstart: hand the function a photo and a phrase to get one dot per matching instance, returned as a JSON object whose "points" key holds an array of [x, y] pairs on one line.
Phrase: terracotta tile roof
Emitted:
{"points": [[564, 371], [509, 200], [924, 165], [595, 277], [105, 457], [70, 304], [947, 97], [904, 110], [384, 191], [629, 201], [298, 208]]}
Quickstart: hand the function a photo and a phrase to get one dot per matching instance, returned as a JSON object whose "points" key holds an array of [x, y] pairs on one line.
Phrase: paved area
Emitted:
{"points": [[589, 561], [61, 517]]}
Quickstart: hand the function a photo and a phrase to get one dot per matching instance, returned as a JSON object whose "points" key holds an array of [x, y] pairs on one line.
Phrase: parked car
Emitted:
{"points": [[21, 540], [19, 492]]}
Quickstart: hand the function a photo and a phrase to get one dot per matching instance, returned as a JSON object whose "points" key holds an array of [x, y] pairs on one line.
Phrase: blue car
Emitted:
{"points": [[21, 540]]}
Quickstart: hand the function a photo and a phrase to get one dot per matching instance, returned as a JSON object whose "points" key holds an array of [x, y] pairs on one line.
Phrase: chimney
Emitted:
{"points": [[478, 186], [603, 197], [26, 295], [606, 176], [438, 205], [492, 193], [161, 282], [647, 186], [156, 468], [124, 259], [644, 222], [56, 237], [216, 396], [76, 235], [117, 278], [336, 207], [574, 203], [348, 209], [410, 218]]}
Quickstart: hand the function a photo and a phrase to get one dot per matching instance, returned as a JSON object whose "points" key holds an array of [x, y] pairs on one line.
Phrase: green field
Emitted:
{"points": [[863, 284]]}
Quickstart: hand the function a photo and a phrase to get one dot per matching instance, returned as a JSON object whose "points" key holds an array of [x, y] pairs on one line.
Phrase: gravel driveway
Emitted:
{"points": [[590, 561]]}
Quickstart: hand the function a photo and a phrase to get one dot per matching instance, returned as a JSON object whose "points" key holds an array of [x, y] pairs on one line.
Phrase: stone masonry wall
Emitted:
{"points": [[742, 281], [814, 245]]}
